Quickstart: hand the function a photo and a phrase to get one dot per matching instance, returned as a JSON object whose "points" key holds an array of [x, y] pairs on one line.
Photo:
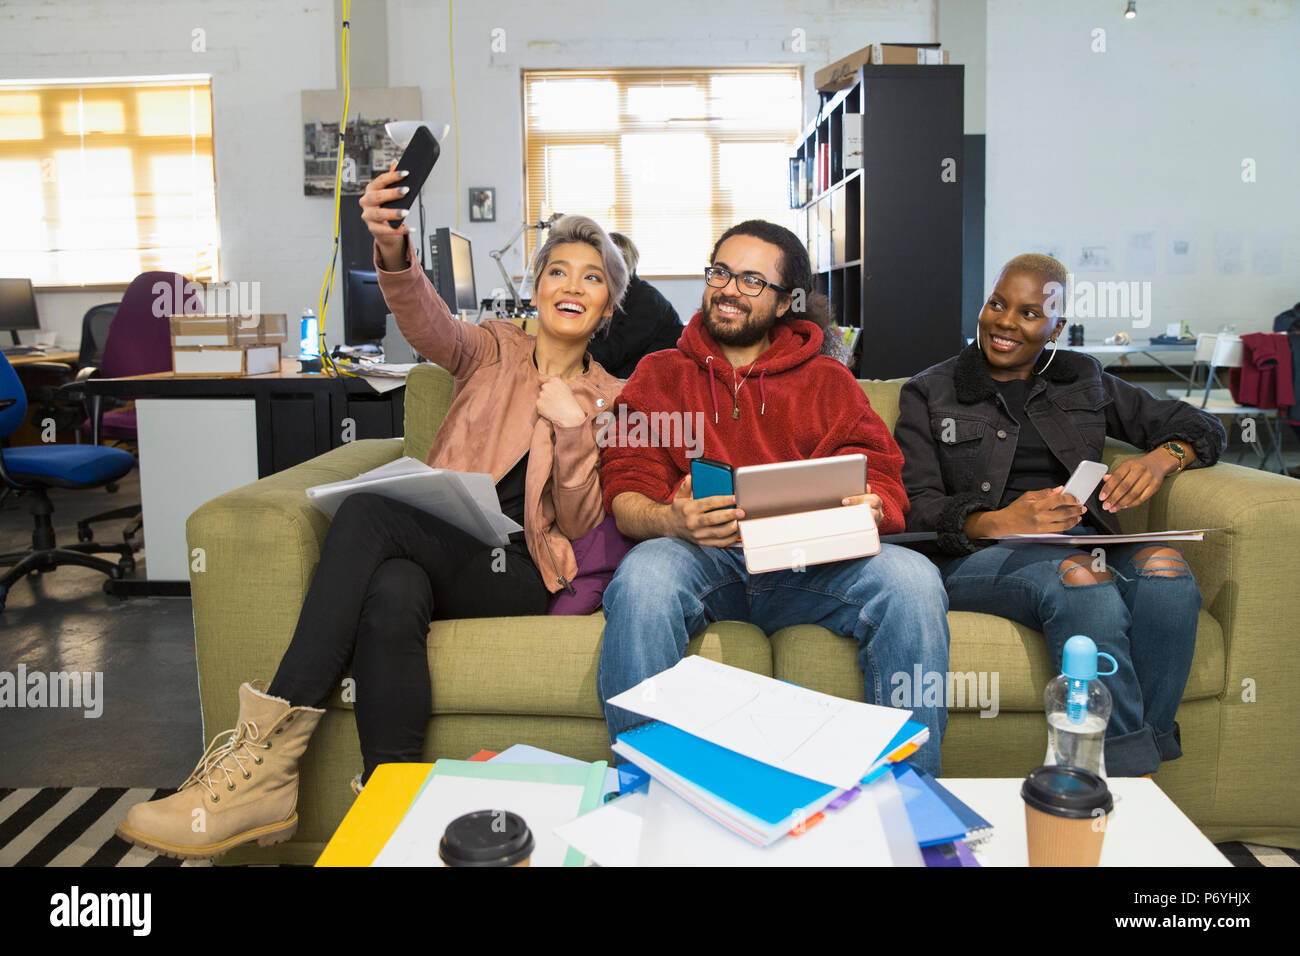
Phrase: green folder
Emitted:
{"points": [[591, 777]]}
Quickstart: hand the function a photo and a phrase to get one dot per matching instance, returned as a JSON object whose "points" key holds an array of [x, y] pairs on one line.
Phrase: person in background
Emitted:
{"points": [[646, 322], [989, 439]]}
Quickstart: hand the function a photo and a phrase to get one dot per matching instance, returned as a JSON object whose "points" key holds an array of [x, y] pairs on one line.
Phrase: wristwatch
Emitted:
{"points": [[1178, 451]]}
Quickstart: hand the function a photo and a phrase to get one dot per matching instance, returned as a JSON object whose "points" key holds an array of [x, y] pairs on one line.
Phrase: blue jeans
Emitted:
{"points": [[1146, 621], [667, 590]]}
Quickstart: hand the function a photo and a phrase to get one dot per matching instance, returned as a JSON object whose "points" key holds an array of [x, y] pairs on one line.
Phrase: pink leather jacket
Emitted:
{"points": [[493, 418]]}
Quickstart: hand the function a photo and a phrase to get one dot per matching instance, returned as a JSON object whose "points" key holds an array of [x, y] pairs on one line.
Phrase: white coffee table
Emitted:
{"points": [[1146, 828]]}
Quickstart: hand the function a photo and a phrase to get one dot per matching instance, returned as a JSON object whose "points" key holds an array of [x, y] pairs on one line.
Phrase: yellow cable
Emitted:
{"points": [[327, 363], [455, 115]]}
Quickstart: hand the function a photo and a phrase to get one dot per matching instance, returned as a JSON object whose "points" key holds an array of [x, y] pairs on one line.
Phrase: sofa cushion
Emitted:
{"points": [[814, 657], [547, 665]]}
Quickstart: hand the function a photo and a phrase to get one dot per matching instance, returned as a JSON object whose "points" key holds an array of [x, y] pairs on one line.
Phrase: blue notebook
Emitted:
{"points": [[933, 821], [768, 798]]}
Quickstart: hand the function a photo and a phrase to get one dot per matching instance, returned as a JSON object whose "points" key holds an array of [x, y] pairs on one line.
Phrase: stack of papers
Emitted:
{"points": [[759, 756], [467, 500]]}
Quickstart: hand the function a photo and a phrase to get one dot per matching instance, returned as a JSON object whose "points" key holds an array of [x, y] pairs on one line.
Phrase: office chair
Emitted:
{"points": [[35, 469], [46, 401], [138, 343]]}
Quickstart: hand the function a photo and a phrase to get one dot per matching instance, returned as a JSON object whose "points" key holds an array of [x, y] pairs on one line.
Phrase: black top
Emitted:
{"points": [[1034, 467], [510, 492], [646, 322]]}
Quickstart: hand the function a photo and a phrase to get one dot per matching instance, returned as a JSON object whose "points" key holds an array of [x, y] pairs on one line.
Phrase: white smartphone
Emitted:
{"points": [[1085, 480]]}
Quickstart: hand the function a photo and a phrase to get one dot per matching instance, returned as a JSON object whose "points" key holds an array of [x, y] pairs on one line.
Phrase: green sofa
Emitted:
{"points": [[501, 681]]}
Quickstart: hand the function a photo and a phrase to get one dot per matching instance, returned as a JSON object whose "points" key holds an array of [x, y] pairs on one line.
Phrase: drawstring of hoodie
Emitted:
{"points": [[713, 390], [713, 387]]}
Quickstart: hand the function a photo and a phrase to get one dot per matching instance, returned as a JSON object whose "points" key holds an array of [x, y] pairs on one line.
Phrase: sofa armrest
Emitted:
{"points": [[1246, 571], [253, 552]]}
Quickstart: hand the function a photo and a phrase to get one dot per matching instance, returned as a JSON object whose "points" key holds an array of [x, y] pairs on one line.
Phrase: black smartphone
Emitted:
{"points": [[419, 157], [709, 478]]}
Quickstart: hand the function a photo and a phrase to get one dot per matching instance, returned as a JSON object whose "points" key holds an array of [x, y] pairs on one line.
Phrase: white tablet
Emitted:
{"points": [[788, 487]]}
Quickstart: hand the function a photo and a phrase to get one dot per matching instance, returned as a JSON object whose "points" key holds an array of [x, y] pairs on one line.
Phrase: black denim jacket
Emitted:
{"points": [[958, 439]]}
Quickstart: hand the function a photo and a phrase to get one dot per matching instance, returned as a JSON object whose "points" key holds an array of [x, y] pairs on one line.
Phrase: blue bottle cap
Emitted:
{"points": [[1079, 659]]}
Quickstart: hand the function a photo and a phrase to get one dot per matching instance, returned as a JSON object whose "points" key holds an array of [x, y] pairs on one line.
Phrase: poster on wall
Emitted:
{"points": [[1140, 252], [1180, 251], [367, 149], [1094, 256]]}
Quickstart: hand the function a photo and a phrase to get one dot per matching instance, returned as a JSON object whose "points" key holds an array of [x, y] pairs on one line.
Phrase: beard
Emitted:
{"points": [[756, 324]]}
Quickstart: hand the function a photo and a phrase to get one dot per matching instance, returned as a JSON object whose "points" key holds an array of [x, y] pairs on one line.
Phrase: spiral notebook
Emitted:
{"points": [[977, 828]]}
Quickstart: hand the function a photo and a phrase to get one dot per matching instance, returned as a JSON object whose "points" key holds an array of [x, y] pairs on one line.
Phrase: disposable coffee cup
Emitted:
{"points": [[487, 838], [1066, 812]]}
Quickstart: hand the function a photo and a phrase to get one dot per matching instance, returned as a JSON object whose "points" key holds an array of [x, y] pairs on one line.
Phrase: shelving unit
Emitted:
{"points": [[885, 239]]}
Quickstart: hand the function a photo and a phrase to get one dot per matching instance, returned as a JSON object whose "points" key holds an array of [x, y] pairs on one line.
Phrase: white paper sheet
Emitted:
{"points": [[674, 833], [610, 835], [814, 735], [467, 500]]}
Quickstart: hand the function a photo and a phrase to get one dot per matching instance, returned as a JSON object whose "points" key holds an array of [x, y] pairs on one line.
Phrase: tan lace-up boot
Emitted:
{"points": [[244, 789]]}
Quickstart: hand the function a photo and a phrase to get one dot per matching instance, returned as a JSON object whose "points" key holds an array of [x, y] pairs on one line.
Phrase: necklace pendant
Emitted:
{"points": [[735, 412]]}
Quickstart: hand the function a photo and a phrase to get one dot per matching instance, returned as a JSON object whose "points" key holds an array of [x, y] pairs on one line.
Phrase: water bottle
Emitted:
{"points": [[310, 334], [1078, 708]]}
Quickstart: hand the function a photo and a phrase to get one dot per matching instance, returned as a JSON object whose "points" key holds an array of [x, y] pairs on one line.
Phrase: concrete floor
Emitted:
{"points": [[149, 734]]}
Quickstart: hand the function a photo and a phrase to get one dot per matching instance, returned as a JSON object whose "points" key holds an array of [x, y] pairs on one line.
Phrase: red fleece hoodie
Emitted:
{"points": [[795, 404]]}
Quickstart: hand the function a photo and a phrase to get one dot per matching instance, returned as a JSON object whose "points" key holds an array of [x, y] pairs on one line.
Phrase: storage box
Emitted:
{"points": [[784, 542], [226, 361], [839, 75], [197, 331]]}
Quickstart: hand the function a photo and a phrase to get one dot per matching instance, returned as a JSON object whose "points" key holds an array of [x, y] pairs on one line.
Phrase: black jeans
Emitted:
{"points": [[386, 570]]}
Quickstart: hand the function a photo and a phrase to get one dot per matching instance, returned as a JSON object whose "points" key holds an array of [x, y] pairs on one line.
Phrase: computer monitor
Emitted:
{"points": [[364, 308], [17, 307], [452, 269]]}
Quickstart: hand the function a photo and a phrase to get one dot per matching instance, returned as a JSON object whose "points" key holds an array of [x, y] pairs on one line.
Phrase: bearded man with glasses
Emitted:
{"points": [[752, 360]]}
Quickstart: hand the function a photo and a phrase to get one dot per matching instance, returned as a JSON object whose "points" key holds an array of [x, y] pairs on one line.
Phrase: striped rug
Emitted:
{"points": [[73, 826]]}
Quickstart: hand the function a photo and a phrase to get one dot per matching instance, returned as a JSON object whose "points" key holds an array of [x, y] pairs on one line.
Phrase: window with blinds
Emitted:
{"points": [[671, 158], [101, 180]]}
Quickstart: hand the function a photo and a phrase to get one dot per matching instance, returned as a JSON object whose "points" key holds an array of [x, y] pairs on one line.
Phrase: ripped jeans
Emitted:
{"points": [[1141, 609]]}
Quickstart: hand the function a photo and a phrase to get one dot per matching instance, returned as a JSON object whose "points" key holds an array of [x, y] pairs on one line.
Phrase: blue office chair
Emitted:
{"points": [[33, 470]]}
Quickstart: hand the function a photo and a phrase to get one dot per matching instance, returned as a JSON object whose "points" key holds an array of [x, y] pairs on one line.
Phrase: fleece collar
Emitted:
{"points": [[973, 383]]}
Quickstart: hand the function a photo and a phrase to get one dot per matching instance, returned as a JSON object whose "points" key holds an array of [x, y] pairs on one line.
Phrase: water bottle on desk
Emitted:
{"points": [[1078, 708], [310, 334]]}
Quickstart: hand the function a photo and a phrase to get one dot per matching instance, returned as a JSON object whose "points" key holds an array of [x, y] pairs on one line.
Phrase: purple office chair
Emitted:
{"points": [[139, 343]]}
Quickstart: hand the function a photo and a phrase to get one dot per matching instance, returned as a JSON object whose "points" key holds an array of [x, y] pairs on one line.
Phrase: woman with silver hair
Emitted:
{"points": [[523, 409]]}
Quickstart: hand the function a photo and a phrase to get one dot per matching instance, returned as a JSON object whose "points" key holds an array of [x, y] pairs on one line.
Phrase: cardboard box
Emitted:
{"points": [[791, 541], [226, 361], [839, 75], [199, 331]]}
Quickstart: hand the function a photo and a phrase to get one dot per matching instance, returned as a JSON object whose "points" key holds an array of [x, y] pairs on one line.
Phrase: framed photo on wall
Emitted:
{"points": [[482, 204]]}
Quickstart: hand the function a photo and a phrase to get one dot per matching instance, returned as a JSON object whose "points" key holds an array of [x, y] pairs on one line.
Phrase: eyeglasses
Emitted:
{"points": [[750, 285]]}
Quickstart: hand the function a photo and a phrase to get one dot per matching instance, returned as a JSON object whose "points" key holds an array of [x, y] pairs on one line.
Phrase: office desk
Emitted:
{"points": [[61, 356], [201, 437], [1107, 354]]}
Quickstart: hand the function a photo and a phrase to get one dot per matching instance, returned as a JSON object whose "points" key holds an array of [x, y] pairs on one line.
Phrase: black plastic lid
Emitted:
{"points": [[486, 838], [1066, 792]]}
